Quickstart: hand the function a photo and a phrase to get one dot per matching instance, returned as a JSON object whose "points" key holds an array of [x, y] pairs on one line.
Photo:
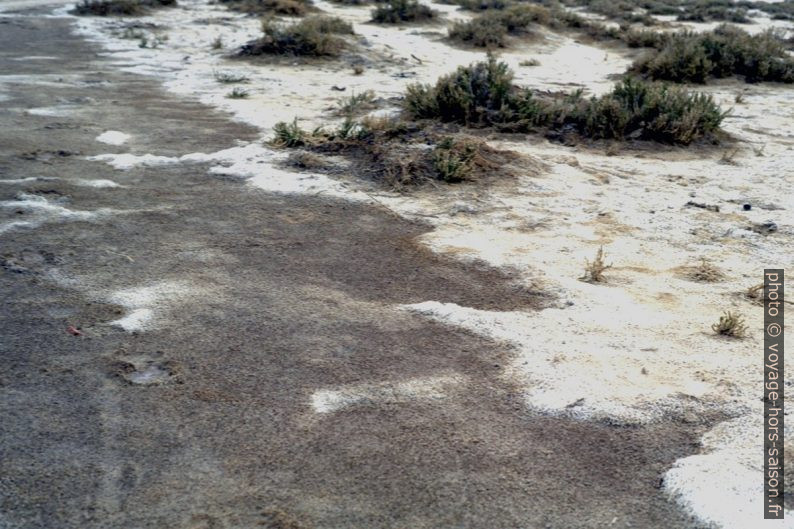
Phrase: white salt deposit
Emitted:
{"points": [[113, 137]]}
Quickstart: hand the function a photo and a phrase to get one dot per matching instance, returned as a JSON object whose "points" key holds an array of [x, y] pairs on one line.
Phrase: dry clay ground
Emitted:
{"points": [[264, 299]]}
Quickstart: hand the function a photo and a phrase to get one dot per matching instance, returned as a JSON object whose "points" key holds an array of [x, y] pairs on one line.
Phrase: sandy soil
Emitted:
{"points": [[274, 341]]}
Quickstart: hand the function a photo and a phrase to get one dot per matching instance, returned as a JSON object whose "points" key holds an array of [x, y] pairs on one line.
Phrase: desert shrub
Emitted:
{"points": [[396, 11], [644, 38], [482, 94], [279, 7], [727, 51], [484, 5], [650, 111], [492, 27], [315, 35], [119, 7], [707, 14], [470, 95]]}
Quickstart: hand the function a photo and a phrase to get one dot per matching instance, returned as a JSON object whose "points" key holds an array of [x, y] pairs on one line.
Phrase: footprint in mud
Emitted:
{"points": [[28, 261], [144, 370]]}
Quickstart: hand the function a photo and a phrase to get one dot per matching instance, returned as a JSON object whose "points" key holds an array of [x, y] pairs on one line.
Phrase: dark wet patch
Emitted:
{"points": [[226, 437]]}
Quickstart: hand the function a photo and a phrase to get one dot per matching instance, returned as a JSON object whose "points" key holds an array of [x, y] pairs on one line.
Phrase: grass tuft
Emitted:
{"points": [[229, 77], [730, 324], [238, 93]]}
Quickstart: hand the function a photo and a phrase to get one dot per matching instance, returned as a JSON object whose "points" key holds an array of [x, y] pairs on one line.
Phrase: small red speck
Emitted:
{"points": [[74, 331]]}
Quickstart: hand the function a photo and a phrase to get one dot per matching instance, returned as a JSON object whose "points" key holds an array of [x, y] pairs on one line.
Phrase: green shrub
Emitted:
{"points": [[470, 95], [492, 27], [652, 112], [727, 51], [484, 5], [279, 7], [316, 35], [119, 7], [482, 94], [396, 11]]}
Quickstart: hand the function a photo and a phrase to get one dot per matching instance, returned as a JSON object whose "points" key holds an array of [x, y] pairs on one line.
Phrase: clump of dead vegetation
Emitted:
{"points": [[725, 52], [730, 324], [483, 95], [755, 293], [313, 36], [399, 153], [295, 8], [398, 11], [705, 272], [594, 271], [119, 7]]}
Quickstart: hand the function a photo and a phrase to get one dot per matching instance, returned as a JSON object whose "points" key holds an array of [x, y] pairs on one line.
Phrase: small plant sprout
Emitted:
{"points": [[217, 44], [229, 77], [238, 93], [594, 271], [755, 293], [730, 325]]}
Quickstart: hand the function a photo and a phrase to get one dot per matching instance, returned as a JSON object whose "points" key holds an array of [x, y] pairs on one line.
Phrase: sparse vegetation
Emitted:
{"points": [[397, 11], [276, 7], [217, 44], [238, 93], [455, 159], [482, 95], [594, 271], [756, 293], [356, 104], [230, 77], [398, 153], [725, 52], [530, 62], [313, 36], [119, 7], [730, 324], [705, 272]]}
